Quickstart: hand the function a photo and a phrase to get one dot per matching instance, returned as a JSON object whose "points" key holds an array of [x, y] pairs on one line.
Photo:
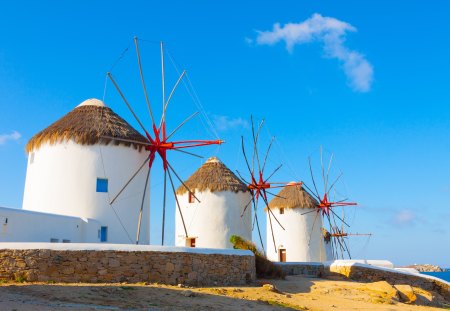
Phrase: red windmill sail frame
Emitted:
{"points": [[325, 207], [259, 186], [159, 144]]}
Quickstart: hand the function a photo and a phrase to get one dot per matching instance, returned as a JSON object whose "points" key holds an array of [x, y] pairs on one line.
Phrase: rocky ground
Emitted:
{"points": [[294, 293]]}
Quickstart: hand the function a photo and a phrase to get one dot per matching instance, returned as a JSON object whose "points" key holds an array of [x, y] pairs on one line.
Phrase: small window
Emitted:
{"points": [[281, 210], [190, 242], [191, 197], [66, 241], [53, 240], [102, 185], [103, 234], [32, 158]]}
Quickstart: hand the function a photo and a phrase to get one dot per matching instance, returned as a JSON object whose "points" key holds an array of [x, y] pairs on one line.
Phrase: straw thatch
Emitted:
{"points": [[88, 124], [293, 197], [213, 176]]}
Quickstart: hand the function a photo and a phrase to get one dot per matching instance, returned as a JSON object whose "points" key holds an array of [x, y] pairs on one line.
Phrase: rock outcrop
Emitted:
{"points": [[426, 268]]}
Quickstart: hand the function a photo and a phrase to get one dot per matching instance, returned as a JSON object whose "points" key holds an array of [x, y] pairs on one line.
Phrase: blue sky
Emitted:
{"points": [[368, 81]]}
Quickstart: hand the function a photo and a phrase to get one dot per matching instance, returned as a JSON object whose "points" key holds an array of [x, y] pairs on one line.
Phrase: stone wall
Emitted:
{"points": [[126, 266], [310, 269], [364, 273]]}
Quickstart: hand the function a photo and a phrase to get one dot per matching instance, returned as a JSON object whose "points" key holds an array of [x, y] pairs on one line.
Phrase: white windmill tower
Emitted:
{"points": [[76, 163], [303, 240], [219, 211]]}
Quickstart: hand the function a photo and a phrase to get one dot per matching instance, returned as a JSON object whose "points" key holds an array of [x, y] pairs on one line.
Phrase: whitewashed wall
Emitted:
{"points": [[61, 179], [17, 225], [295, 239], [215, 219]]}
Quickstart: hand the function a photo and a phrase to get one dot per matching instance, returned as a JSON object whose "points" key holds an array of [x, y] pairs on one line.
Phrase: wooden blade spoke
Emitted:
{"points": [[246, 206], [312, 229], [182, 182], [190, 153], [164, 208], [171, 94], [245, 156], [267, 154], [334, 213], [125, 140], [273, 236], [138, 233], [273, 173], [315, 210], [181, 124], [257, 224], [334, 183], [311, 192], [142, 79], [163, 83], [271, 212], [242, 178], [328, 171], [347, 249], [126, 102], [323, 170], [255, 143], [178, 203], [276, 195], [312, 177], [129, 180]]}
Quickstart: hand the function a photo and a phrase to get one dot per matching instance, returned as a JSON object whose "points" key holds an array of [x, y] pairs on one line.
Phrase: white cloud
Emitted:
{"points": [[225, 123], [5, 137], [331, 32], [405, 217]]}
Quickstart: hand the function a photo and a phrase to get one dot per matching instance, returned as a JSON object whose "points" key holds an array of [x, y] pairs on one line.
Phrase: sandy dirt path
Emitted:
{"points": [[294, 293]]}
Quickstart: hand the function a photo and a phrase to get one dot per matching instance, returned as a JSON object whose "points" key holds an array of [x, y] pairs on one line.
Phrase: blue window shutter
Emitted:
{"points": [[102, 185]]}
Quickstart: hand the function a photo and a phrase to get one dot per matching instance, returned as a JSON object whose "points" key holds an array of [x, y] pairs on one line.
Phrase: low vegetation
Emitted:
{"points": [[264, 267]]}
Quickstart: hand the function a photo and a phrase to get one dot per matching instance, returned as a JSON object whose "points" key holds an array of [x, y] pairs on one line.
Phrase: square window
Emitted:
{"points": [[102, 185], [281, 210]]}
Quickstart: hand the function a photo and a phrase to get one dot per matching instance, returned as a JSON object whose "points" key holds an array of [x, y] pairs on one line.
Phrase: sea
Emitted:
{"points": [[442, 275]]}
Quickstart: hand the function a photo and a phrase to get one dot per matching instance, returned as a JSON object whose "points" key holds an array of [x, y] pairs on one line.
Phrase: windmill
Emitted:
{"points": [[339, 235], [326, 206], [259, 185], [159, 141]]}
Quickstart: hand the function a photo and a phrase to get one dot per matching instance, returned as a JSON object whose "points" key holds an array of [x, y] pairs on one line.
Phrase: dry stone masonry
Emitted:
{"points": [[126, 266]]}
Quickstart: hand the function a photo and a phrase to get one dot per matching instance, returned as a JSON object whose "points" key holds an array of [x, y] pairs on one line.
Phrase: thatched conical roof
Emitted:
{"points": [[293, 197], [214, 176], [88, 124]]}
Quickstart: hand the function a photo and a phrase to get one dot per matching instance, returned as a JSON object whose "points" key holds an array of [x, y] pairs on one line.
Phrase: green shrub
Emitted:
{"points": [[264, 267]]}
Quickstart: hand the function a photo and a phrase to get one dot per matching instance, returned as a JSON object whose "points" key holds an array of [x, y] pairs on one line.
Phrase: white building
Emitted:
{"points": [[75, 167], [302, 240], [220, 213]]}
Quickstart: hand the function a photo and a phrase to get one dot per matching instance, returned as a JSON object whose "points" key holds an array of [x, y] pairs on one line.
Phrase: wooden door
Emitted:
{"points": [[282, 255]]}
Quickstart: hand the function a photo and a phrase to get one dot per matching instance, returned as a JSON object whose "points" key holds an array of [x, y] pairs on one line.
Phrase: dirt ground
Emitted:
{"points": [[294, 293]]}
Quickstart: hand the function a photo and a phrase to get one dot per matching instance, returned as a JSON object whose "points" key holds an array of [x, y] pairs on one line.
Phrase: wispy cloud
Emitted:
{"points": [[405, 217], [4, 138], [225, 123], [332, 33]]}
